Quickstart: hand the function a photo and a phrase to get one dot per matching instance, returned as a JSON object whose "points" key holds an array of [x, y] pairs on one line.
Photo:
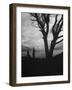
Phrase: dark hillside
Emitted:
{"points": [[42, 67]]}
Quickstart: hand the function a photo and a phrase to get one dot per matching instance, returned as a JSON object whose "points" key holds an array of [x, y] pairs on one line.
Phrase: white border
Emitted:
{"points": [[63, 77]]}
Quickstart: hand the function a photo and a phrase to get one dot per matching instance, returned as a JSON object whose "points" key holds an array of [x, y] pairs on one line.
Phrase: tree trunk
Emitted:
{"points": [[46, 47], [52, 47], [49, 53]]}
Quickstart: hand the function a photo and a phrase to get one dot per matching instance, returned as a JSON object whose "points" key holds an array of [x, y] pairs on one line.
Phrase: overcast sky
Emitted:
{"points": [[31, 37]]}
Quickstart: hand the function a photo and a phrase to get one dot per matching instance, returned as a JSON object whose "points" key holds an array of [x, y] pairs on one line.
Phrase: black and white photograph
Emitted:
{"points": [[41, 44]]}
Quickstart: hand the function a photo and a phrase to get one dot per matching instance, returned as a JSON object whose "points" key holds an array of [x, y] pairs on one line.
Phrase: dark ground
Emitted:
{"points": [[42, 67]]}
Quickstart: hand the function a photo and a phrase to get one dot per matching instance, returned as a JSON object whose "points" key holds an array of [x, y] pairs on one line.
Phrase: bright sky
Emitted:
{"points": [[32, 37]]}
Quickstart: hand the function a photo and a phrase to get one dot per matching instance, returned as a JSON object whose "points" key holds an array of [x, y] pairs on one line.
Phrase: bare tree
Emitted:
{"points": [[43, 21]]}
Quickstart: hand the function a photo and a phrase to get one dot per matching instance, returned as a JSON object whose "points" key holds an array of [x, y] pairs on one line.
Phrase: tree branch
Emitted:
{"points": [[60, 36], [59, 23], [53, 28], [55, 22], [59, 41], [47, 23], [59, 29], [39, 21]]}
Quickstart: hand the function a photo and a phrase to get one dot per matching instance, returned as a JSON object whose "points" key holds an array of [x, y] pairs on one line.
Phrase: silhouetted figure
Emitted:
{"points": [[33, 53], [28, 55]]}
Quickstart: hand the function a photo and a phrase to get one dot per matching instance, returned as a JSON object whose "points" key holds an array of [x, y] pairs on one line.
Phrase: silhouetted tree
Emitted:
{"points": [[43, 21], [33, 53]]}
